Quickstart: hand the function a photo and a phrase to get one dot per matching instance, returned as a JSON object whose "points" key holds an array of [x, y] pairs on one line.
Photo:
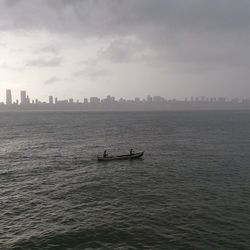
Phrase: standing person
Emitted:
{"points": [[105, 153], [131, 151]]}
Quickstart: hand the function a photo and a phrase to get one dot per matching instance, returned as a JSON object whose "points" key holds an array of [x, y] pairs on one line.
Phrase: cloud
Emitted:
{"points": [[9, 67], [91, 62], [91, 68], [48, 49], [10, 3], [51, 80], [125, 50], [92, 73], [208, 39], [128, 16], [183, 31], [40, 62]]}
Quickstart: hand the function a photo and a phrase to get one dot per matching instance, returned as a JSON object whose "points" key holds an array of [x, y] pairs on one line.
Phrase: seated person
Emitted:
{"points": [[131, 151], [105, 153]]}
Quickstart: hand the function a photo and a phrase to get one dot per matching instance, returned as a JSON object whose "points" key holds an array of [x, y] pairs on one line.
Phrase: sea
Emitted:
{"points": [[191, 190]]}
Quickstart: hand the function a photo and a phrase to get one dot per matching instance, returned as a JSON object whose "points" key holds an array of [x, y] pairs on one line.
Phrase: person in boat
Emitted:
{"points": [[105, 154], [131, 151]]}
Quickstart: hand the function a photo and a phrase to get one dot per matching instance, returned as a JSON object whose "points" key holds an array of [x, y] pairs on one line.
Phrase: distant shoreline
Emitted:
{"points": [[73, 109]]}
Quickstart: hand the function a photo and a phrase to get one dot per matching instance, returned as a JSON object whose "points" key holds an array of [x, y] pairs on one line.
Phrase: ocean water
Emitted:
{"points": [[191, 190]]}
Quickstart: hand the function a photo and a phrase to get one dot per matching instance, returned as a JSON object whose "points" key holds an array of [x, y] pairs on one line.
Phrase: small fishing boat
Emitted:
{"points": [[120, 157]]}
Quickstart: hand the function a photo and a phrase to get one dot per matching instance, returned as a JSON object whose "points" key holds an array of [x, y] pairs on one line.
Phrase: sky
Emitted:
{"points": [[125, 48]]}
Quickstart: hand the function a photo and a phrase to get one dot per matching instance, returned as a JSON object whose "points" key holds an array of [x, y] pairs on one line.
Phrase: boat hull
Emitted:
{"points": [[120, 157]]}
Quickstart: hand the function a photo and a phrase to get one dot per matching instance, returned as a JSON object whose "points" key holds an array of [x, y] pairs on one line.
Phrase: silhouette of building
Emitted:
{"points": [[149, 98], [110, 103], [51, 101], [8, 97], [158, 99], [94, 100], [27, 100], [23, 97]]}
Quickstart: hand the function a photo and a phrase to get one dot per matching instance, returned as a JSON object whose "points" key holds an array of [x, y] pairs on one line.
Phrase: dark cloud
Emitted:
{"points": [[194, 31], [40, 62], [129, 16]]}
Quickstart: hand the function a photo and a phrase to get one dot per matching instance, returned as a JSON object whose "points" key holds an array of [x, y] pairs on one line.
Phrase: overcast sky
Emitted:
{"points": [[125, 48]]}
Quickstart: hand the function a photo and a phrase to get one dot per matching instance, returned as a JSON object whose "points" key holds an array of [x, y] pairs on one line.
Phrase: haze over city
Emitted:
{"points": [[125, 48], [110, 103]]}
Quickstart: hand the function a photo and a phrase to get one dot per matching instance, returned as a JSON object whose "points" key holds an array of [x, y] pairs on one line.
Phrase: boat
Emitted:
{"points": [[121, 157]]}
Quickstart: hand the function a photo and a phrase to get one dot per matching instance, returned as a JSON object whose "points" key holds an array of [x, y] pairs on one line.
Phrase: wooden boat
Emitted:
{"points": [[120, 157]]}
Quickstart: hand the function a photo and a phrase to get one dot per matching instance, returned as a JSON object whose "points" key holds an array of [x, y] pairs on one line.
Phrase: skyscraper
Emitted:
{"points": [[23, 97], [51, 100], [27, 100], [8, 97]]}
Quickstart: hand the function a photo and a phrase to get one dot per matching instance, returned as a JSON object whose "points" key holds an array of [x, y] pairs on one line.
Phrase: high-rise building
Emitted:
{"points": [[27, 100], [23, 97], [8, 97], [94, 100], [51, 100], [149, 98]]}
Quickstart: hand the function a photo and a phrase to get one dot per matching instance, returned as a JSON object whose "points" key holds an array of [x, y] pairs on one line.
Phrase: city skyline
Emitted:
{"points": [[24, 98], [111, 103]]}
